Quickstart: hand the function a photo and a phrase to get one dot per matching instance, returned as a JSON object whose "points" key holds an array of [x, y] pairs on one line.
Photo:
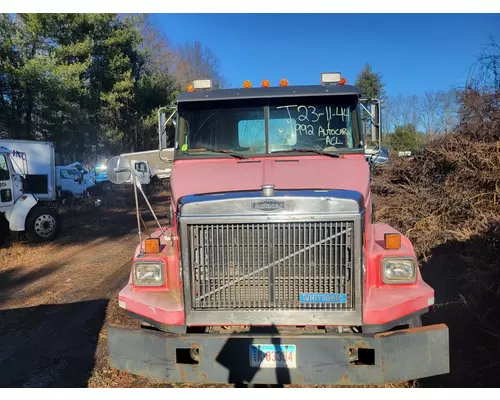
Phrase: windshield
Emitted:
{"points": [[263, 126], [4, 170], [70, 174]]}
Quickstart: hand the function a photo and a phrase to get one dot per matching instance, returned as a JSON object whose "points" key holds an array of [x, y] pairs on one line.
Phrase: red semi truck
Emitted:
{"points": [[272, 270]]}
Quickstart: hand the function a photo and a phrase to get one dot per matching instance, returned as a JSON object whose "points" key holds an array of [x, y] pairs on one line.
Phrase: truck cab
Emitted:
{"points": [[142, 172], [9, 182], [70, 182], [88, 176], [27, 186], [273, 269]]}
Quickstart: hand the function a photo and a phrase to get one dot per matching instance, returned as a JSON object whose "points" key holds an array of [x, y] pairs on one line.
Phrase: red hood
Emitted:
{"points": [[304, 172]]}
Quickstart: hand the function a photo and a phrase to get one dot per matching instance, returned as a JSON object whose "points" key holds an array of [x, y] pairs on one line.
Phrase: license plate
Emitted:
{"points": [[271, 356]]}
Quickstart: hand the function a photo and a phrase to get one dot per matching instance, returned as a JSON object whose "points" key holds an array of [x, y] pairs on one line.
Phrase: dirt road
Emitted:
{"points": [[55, 298]]}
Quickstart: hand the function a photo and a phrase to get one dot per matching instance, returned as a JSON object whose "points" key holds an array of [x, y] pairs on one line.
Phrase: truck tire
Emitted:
{"points": [[43, 224]]}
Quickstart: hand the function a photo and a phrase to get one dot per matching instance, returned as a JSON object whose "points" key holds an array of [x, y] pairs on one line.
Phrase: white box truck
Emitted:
{"points": [[27, 185]]}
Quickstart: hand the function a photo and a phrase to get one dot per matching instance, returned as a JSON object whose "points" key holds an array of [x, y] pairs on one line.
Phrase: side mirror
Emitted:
{"points": [[118, 170], [163, 134], [371, 115], [380, 156]]}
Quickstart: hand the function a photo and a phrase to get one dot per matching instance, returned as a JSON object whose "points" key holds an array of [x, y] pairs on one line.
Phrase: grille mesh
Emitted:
{"points": [[268, 265]]}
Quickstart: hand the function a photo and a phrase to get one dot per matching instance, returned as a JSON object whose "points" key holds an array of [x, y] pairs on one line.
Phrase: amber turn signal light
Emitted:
{"points": [[152, 245], [392, 241]]}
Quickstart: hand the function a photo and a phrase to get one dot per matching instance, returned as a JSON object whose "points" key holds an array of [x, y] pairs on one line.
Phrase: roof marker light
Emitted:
{"points": [[247, 84], [190, 88], [202, 84], [328, 78], [284, 82], [265, 83]]}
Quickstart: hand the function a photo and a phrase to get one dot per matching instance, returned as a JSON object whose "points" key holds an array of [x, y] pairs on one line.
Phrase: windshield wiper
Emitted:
{"points": [[229, 152], [324, 153]]}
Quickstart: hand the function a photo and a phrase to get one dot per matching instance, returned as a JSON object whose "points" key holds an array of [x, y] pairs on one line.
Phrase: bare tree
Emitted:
{"points": [[157, 48], [389, 115], [405, 110], [429, 112], [196, 61], [485, 72], [412, 107], [394, 113], [448, 110], [439, 112], [434, 112]]}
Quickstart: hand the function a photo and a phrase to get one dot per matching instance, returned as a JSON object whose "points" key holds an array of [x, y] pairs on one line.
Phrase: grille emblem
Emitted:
{"points": [[268, 205]]}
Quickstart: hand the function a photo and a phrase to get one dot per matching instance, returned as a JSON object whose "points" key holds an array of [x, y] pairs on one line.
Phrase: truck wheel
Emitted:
{"points": [[43, 224]]}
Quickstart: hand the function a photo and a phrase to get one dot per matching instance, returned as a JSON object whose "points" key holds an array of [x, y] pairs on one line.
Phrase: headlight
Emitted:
{"points": [[148, 274], [399, 270]]}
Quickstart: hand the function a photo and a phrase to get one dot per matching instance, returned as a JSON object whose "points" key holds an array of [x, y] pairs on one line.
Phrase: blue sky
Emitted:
{"points": [[414, 52]]}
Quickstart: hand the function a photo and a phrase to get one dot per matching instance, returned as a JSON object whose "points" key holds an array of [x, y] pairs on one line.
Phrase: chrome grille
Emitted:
{"points": [[268, 265]]}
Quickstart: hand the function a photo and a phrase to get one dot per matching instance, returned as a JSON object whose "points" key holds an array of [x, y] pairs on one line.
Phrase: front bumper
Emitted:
{"points": [[343, 359]]}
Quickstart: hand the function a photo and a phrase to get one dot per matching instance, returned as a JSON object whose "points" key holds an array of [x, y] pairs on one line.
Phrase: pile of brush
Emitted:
{"points": [[447, 201], [451, 190]]}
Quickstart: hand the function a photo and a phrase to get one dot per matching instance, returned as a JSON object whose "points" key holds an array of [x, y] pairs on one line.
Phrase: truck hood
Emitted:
{"points": [[229, 175]]}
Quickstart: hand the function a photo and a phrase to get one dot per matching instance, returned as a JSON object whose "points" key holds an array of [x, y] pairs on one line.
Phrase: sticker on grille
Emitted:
{"points": [[299, 265]]}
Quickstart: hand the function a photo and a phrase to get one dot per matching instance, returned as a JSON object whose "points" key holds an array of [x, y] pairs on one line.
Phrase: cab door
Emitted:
{"points": [[70, 179], [141, 169], [6, 186]]}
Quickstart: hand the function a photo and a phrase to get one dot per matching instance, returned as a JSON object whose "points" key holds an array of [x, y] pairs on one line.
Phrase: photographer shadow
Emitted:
{"points": [[235, 356]]}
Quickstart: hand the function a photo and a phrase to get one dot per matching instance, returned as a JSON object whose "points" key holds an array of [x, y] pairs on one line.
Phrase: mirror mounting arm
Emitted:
{"points": [[162, 126]]}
